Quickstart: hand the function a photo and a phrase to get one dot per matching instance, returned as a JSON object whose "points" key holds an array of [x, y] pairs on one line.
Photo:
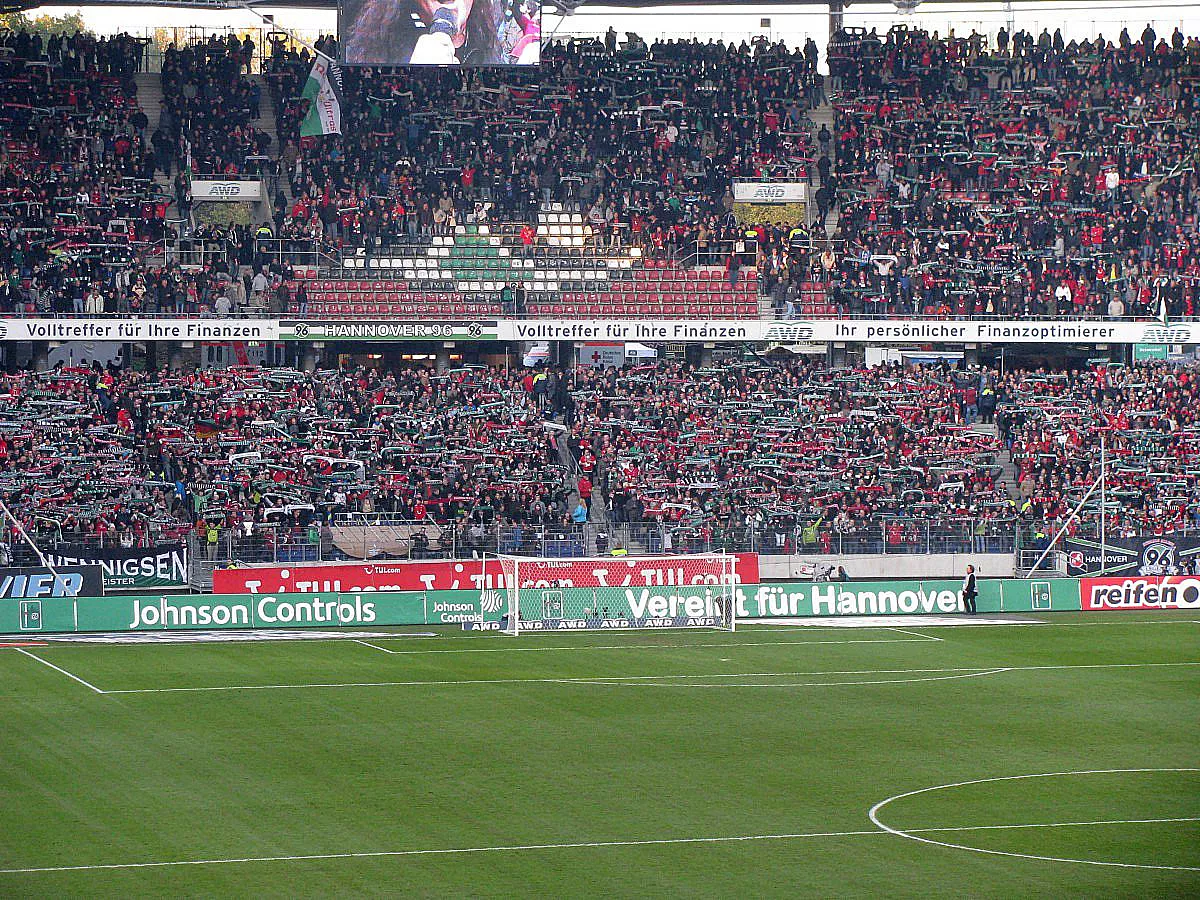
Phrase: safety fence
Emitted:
{"points": [[366, 536]]}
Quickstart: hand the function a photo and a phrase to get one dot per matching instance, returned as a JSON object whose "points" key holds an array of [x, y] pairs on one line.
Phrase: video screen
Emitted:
{"points": [[440, 32]]}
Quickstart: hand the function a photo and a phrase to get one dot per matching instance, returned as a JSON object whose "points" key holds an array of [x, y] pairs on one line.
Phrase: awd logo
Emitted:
{"points": [[1167, 334], [790, 331]]}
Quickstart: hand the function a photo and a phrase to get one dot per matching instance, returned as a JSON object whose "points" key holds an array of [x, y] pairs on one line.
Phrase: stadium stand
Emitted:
{"points": [[778, 458], [1039, 178], [1030, 178], [597, 186], [1034, 178], [78, 209]]}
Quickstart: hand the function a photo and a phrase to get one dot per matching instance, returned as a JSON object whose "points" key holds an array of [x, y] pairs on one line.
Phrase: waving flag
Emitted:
{"points": [[323, 92]]}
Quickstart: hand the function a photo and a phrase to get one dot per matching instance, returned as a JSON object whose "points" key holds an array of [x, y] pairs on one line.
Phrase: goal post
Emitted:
{"points": [[613, 593]]}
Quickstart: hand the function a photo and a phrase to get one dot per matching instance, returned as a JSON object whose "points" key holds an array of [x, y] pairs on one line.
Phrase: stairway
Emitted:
{"points": [[1008, 472], [268, 122], [823, 115], [150, 96]]}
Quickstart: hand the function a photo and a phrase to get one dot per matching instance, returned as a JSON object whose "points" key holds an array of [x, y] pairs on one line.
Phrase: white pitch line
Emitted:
{"points": [[442, 851], [375, 647], [44, 662], [1057, 824], [928, 637], [783, 684], [650, 646], [962, 622], [608, 679], [873, 815]]}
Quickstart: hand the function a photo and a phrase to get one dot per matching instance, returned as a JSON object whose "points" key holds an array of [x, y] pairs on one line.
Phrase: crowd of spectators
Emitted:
{"points": [[642, 140], [77, 201], [86, 453], [786, 449], [1146, 416], [210, 108], [1022, 176], [784, 457], [1035, 177]]}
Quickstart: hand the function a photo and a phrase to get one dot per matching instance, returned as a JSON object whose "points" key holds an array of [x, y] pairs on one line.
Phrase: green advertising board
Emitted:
{"points": [[131, 568], [566, 607], [904, 598], [216, 611], [387, 330], [1149, 351], [674, 606]]}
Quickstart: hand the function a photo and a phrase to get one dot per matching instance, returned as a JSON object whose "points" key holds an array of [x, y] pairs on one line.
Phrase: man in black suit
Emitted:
{"points": [[969, 591]]}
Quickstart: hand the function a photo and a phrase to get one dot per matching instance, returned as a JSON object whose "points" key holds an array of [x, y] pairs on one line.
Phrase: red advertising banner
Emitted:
{"points": [[1139, 593], [467, 574]]}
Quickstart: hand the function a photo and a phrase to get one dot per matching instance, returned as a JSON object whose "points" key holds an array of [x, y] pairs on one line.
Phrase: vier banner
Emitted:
{"points": [[131, 569], [36, 582]]}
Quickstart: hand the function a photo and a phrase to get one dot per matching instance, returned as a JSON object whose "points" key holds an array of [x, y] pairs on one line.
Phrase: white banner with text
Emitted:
{"points": [[910, 332]]}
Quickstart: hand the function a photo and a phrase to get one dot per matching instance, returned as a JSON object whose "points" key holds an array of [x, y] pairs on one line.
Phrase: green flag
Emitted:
{"points": [[324, 99]]}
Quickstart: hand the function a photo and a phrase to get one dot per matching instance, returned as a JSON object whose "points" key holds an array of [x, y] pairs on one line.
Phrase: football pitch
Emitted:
{"points": [[1058, 759]]}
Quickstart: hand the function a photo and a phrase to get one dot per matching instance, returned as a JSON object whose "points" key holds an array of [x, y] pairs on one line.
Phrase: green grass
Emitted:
{"points": [[618, 749]]}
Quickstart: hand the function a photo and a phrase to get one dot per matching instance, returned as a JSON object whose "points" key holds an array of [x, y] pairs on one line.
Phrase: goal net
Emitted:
{"points": [[614, 592]]}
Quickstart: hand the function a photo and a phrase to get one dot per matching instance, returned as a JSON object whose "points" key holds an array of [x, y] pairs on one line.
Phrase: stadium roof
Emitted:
{"points": [[566, 6]]}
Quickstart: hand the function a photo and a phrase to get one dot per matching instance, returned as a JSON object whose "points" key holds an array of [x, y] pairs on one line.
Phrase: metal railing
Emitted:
{"points": [[910, 536], [366, 536], [293, 251], [21, 554], [371, 538]]}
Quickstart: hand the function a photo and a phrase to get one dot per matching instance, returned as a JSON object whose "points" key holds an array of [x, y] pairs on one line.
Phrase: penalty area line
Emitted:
{"points": [[580, 845], [586, 647], [619, 679], [45, 662], [375, 647], [928, 637]]}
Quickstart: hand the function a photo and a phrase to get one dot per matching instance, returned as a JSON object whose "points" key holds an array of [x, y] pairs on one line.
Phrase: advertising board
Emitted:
{"points": [[1137, 593], [1158, 555], [876, 332], [770, 191], [128, 569], [222, 611], [65, 581], [227, 190], [899, 598], [622, 607], [467, 574]]}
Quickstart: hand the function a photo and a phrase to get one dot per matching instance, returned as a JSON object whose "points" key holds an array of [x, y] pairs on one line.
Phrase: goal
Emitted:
{"points": [[540, 594]]}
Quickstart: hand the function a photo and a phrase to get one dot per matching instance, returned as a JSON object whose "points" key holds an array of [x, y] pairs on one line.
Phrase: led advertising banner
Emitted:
{"points": [[470, 33]]}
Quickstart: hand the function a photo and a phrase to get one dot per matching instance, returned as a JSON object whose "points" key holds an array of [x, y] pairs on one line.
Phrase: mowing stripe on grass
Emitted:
{"points": [[633, 678], [44, 662], [441, 851]]}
